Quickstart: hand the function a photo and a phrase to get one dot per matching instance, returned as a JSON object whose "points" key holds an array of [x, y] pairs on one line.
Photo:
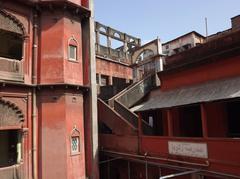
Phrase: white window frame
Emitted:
{"points": [[75, 52]]}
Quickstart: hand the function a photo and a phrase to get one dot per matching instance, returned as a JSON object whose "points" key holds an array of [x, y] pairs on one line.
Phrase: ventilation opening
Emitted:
{"points": [[233, 113], [11, 45], [190, 123], [10, 147]]}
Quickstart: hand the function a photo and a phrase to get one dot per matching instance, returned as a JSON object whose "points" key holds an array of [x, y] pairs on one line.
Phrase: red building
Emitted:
{"points": [[48, 92], [188, 127]]}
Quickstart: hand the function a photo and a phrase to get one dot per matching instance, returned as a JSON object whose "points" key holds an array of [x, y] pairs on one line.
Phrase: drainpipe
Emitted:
{"points": [[34, 99]]}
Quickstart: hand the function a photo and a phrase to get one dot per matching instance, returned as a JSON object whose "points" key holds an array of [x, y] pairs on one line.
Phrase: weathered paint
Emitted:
{"points": [[60, 108], [59, 115], [113, 69], [218, 69]]}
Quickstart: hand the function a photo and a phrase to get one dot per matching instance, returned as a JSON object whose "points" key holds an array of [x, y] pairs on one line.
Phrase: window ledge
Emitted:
{"points": [[73, 60]]}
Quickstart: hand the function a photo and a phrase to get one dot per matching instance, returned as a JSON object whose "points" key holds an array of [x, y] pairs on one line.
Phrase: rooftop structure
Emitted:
{"points": [[182, 43]]}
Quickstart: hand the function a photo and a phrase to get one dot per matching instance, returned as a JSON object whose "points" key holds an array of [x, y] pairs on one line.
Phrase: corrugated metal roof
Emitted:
{"points": [[206, 92]]}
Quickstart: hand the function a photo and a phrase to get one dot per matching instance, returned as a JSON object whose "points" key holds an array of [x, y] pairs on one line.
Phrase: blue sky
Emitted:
{"points": [[167, 19]]}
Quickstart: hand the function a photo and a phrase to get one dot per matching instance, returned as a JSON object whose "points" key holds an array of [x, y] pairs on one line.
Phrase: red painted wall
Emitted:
{"points": [[73, 72], [59, 114], [54, 58], [216, 114], [203, 73], [75, 118], [51, 55], [59, 110], [108, 68]]}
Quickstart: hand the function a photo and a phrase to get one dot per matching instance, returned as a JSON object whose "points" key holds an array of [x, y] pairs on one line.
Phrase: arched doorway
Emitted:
{"points": [[11, 148]]}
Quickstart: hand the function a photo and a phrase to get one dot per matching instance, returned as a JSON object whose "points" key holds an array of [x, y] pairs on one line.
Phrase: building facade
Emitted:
{"points": [[186, 128], [46, 92], [182, 43]]}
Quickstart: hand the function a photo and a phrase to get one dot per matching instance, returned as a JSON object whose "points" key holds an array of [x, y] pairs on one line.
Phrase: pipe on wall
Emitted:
{"points": [[34, 99]]}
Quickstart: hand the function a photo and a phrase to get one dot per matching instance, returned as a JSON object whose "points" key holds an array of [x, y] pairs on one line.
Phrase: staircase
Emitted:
{"points": [[118, 115]]}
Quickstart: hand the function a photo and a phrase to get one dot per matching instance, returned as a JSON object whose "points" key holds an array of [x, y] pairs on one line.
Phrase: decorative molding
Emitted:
{"points": [[10, 114], [11, 23]]}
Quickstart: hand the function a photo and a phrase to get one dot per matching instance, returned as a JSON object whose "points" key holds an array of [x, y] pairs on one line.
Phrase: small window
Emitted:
{"points": [[73, 52], [75, 146], [75, 142]]}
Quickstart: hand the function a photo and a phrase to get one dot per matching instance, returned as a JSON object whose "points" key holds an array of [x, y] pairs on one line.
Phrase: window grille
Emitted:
{"points": [[75, 145]]}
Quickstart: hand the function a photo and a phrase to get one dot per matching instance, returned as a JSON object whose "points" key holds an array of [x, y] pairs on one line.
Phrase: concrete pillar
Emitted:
{"points": [[90, 99], [125, 49], [109, 45], [98, 41]]}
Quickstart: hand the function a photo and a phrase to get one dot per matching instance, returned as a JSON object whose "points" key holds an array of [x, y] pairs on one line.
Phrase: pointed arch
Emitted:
{"points": [[145, 54], [11, 24], [10, 115]]}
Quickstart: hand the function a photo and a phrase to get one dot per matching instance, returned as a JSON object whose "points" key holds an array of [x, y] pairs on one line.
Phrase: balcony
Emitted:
{"points": [[12, 172], [11, 70]]}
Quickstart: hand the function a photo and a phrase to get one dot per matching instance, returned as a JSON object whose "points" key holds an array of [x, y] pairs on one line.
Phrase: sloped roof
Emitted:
{"points": [[205, 92]]}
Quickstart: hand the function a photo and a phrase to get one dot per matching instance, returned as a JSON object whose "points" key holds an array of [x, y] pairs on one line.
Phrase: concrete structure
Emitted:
{"points": [[182, 43], [48, 124], [186, 128], [147, 59], [122, 60], [113, 59]]}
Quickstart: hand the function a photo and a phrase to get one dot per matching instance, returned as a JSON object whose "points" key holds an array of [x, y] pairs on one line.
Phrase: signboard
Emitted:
{"points": [[188, 149]]}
